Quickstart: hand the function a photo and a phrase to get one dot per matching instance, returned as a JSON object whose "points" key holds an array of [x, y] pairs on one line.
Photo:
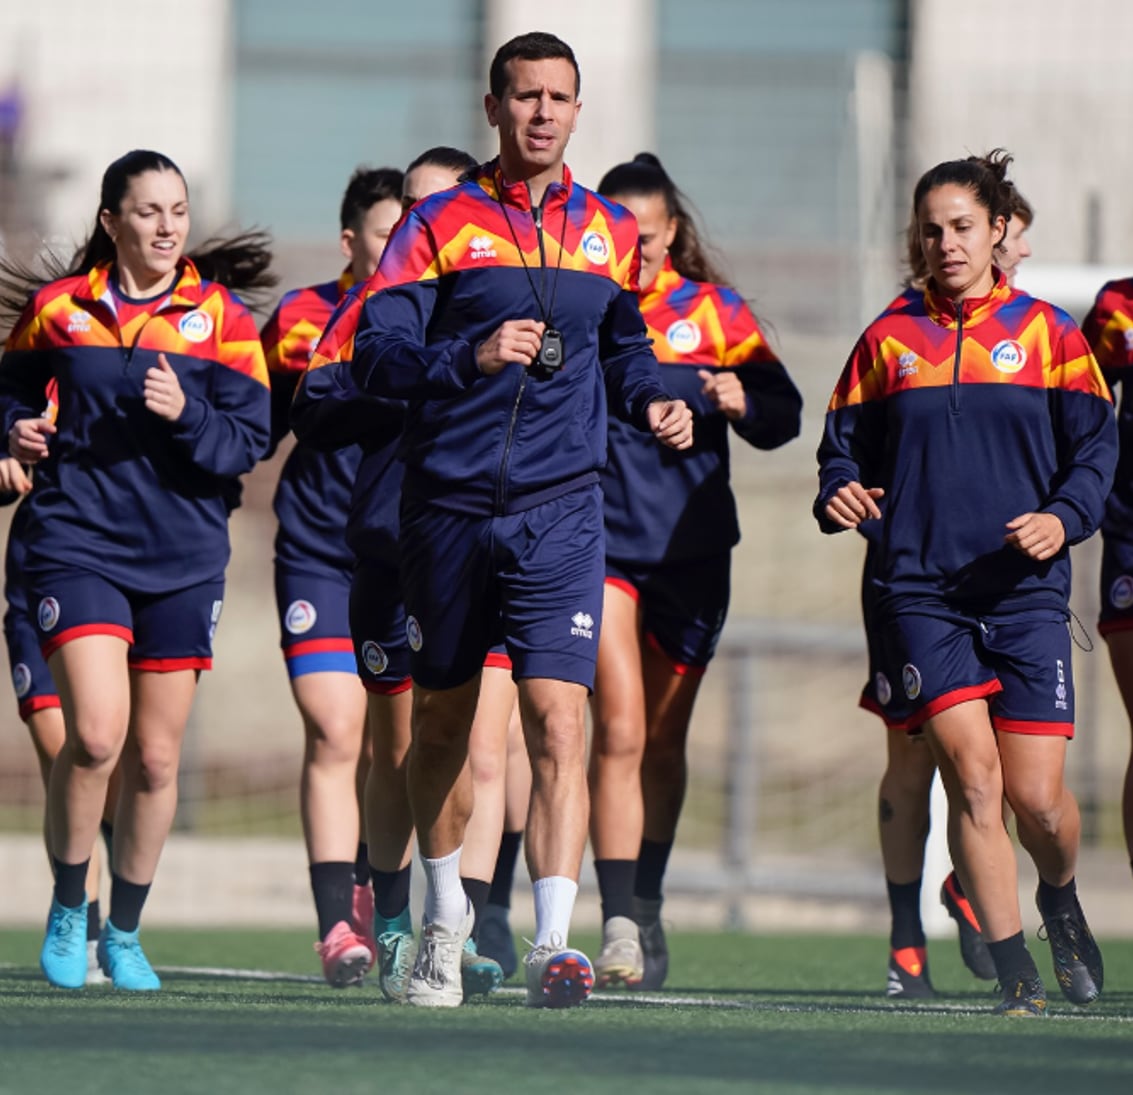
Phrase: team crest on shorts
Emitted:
{"points": [[374, 658], [911, 679], [300, 617], [48, 615], [1121, 592], [882, 688], [21, 680], [195, 326], [413, 633]]}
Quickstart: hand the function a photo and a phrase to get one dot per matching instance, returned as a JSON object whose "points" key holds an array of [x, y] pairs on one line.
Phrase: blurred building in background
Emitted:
{"points": [[797, 127]]}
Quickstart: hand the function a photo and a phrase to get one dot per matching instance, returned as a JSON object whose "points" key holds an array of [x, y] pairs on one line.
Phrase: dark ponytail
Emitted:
{"points": [[240, 263], [644, 177]]}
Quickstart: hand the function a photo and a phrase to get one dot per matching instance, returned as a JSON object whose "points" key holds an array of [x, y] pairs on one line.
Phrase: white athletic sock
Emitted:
{"points": [[445, 899], [554, 903]]}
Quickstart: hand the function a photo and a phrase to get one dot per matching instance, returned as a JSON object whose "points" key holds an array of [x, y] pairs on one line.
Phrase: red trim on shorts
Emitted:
{"points": [[679, 668], [1037, 729], [497, 661], [626, 587], [32, 704], [951, 699], [1108, 627], [388, 688], [117, 631], [868, 703], [318, 646], [169, 665]]}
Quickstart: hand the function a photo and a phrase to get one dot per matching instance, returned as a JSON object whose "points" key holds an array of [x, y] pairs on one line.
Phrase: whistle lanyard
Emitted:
{"points": [[546, 314]]}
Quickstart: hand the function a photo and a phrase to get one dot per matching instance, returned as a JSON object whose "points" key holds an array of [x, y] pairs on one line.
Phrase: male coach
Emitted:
{"points": [[505, 313]]}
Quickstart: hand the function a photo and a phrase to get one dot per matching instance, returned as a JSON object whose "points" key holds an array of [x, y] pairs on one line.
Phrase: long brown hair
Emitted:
{"points": [[241, 262]]}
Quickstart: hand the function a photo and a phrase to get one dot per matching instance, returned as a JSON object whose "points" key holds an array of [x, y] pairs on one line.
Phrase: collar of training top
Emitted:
{"points": [[517, 195]]}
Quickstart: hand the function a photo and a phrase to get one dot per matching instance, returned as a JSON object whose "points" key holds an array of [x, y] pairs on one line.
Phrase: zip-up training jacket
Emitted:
{"points": [[122, 492], [968, 416], [329, 412], [1109, 331], [663, 505], [461, 263], [313, 495]]}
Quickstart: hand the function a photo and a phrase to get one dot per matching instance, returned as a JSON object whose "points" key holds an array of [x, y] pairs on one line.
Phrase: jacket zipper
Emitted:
{"points": [[955, 400], [501, 480]]}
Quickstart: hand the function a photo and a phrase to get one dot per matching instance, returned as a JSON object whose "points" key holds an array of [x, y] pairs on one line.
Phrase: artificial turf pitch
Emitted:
{"points": [[783, 1014]]}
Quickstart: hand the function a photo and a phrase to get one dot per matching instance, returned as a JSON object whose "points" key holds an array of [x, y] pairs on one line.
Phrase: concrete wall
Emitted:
{"points": [[1052, 82]]}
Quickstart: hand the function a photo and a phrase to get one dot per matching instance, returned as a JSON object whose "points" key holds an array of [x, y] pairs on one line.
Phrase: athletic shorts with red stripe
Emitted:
{"points": [[314, 620], [31, 679], [938, 655], [165, 632], [377, 623], [683, 605], [1116, 583], [878, 695], [532, 580]]}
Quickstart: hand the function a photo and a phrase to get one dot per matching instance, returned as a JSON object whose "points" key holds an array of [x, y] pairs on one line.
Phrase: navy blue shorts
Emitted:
{"points": [[165, 631], [878, 694], [314, 620], [939, 656], [377, 623], [31, 679], [683, 605], [532, 580], [1116, 584]]}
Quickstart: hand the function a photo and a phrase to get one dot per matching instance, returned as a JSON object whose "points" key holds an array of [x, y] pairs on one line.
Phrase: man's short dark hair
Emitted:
{"points": [[367, 187], [535, 46]]}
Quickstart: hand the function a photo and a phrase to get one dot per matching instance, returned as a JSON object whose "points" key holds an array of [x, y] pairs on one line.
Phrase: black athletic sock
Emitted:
{"points": [[362, 865], [652, 861], [333, 887], [476, 889], [503, 878], [905, 929], [1013, 962], [70, 882], [957, 885], [107, 829], [94, 920], [615, 884], [126, 901], [1056, 900], [391, 891]]}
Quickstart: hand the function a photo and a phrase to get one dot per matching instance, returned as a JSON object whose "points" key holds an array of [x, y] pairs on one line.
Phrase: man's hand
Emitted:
{"points": [[162, 391], [13, 478], [725, 391], [513, 342], [671, 422], [1039, 536], [852, 504], [27, 439]]}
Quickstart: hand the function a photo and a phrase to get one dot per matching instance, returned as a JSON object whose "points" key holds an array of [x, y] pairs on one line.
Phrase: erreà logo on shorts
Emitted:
{"points": [[882, 689], [1008, 356], [683, 336], [911, 679], [413, 634], [300, 617], [596, 248], [583, 625], [21, 680], [374, 658], [195, 326], [482, 247], [48, 614]]}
